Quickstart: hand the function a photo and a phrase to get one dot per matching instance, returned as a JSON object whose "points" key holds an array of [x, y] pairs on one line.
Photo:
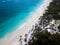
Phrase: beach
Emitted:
{"points": [[12, 38]]}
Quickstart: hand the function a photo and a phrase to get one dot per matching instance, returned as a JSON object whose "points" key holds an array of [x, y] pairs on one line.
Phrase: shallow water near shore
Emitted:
{"points": [[13, 13]]}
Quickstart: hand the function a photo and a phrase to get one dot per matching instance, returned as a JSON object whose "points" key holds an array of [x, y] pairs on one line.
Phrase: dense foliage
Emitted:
{"points": [[53, 10], [59, 27], [44, 37]]}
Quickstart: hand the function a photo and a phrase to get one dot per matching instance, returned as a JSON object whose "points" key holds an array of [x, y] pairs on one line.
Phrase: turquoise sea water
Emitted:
{"points": [[13, 12]]}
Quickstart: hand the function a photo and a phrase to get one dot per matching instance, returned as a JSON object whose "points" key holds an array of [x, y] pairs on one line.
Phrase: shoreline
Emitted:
{"points": [[27, 25]]}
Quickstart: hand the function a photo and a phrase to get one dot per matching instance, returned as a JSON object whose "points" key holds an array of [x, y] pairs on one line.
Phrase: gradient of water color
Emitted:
{"points": [[13, 12]]}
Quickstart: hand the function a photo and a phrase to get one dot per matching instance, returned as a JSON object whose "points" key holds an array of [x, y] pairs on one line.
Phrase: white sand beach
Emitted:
{"points": [[13, 38]]}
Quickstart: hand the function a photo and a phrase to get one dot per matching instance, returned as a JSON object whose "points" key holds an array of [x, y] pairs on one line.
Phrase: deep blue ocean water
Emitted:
{"points": [[13, 12]]}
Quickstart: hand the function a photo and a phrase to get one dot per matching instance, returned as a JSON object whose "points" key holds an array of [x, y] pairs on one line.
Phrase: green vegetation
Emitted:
{"points": [[59, 27], [41, 37], [45, 38], [53, 10]]}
